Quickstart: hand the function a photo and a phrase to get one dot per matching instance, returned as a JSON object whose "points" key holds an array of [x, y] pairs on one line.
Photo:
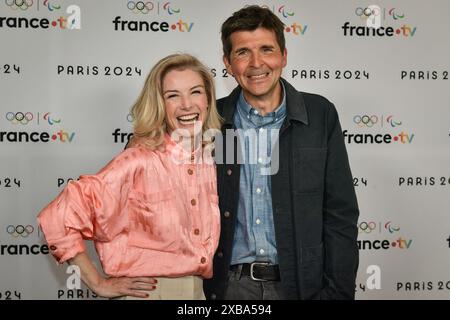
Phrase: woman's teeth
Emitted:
{"points": [[188, 119]]}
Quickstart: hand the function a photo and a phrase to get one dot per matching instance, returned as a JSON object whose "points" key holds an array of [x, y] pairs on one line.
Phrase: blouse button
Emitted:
{"points": [[190, 172], [226, 214], [203, 260], [196, 232], [193, 202]]}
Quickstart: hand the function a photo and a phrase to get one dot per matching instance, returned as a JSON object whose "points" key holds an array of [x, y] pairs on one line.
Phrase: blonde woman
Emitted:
{"points": [[152, 212]]}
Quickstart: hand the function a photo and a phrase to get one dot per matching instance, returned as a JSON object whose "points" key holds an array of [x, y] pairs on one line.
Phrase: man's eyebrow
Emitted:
{"points": [[240, 49]]}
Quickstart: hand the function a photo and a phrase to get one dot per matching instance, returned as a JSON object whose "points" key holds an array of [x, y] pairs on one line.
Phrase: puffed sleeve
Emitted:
{"points": [[90, 208]]}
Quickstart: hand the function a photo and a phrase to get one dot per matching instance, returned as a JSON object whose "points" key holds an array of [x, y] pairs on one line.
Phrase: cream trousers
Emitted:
{"points": [[182, 288]]}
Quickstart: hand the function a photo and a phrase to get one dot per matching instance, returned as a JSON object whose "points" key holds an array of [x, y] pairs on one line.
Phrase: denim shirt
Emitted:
{"points": [[254, 238]]}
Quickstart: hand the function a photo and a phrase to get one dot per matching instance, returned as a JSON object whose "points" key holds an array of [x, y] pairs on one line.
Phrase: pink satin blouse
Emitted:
{"points": [[149, 212]]}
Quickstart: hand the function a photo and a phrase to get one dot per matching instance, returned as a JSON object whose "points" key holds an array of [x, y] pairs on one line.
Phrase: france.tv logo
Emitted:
{"points": [[156, 8], [374, 17], [70, 22]]}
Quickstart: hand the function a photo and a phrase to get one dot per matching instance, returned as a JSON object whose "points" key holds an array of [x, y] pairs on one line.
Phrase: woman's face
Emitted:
{"points": [[185, 101]]}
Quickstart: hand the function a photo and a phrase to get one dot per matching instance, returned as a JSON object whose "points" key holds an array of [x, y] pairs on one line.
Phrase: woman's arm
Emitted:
{"points": [[111, 287]]}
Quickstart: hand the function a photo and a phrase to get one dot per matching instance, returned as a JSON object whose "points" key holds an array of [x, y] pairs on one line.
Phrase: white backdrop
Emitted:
{"points": [[73, 84]]}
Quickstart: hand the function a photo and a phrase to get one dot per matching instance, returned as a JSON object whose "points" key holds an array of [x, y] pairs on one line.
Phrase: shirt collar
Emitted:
{"points": [[180, 153], [246, 109]]}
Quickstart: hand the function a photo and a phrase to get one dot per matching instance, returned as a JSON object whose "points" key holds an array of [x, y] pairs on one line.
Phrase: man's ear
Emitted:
{"points": [[227, 64], [284, 63]]}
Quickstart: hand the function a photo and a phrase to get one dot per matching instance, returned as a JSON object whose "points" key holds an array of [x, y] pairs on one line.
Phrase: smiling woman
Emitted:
{"points": [[185, 99], [153, 210]]}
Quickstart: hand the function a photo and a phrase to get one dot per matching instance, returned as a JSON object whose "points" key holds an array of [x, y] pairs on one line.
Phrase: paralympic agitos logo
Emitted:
{"points": [[170, 9], [22, 119]]}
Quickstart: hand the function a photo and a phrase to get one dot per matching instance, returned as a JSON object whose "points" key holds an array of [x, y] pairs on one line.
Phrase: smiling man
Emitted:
{"points": [[292, 234]]}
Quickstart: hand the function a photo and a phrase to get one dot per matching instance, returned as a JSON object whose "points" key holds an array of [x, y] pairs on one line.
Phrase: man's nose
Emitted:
{"points": [[255, 60]]}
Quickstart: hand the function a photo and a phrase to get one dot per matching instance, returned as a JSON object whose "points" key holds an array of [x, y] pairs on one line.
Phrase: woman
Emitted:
{"points": [[153, 210]]}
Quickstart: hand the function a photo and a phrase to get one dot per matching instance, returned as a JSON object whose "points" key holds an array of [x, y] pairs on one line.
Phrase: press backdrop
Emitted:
{"points": [[70, 71]]}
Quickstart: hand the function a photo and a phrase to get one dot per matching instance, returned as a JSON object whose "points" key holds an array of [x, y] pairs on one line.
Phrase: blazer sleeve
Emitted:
{"points": [[90, 208], [340, 218]]}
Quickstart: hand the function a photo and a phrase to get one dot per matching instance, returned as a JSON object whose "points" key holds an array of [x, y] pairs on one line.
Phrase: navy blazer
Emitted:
{"points": [[314, 203]]}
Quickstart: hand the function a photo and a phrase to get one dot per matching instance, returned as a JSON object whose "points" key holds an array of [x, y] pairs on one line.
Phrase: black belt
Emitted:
{"points": [[259, 271]]}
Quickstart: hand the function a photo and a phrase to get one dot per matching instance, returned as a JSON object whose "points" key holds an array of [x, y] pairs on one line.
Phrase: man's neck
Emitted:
{"points": [[267, 103]]}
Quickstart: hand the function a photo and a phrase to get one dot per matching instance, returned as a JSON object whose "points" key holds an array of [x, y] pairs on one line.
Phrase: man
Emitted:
{"points": [[291, 234]]}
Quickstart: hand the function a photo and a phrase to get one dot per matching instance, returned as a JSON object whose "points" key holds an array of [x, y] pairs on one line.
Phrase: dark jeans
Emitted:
{"points": [[242, 287]]}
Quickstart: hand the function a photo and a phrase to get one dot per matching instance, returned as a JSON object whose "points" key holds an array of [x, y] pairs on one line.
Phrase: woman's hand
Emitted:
{"points": [[111, 287], [124, 286]]}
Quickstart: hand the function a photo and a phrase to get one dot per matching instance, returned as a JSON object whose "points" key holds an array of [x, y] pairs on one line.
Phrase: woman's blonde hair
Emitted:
{"points": [[149, 114]]}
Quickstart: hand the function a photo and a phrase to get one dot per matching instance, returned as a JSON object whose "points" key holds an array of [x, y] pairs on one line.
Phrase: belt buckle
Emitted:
{"points": [[251, 270]]}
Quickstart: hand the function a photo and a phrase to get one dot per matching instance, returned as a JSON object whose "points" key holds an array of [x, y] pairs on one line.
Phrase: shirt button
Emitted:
{"points": [[255, 111], [190, 172], [213, 297], [261, 251], [226, 214], [196, 232], [258, 221], [193, 202], [258, 190], [203, 260], [220, 254], [260, 160], [229, 172]]}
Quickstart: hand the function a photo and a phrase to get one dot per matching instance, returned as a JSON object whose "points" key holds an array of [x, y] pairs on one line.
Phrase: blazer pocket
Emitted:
{"points": [[309, 170], [154, 223]]}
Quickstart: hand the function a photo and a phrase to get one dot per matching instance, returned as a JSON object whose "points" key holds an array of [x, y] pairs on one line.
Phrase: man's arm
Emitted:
{"points": [[340, 218]]}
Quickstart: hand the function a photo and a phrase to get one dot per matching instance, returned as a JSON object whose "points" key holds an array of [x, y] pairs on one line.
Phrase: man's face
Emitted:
{"points": [[185, 100], [256, 62]]}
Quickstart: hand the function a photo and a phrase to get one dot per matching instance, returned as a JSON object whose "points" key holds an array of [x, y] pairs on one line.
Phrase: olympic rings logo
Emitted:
{"points": [[366, 12], [375, 11], [20, 230], [367, 227], [140, 6], [365, 120], [16, 4], [19, 117]]}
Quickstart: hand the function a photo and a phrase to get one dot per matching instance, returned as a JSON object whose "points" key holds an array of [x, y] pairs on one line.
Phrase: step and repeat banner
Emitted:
{"points": [[71, 70]]}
